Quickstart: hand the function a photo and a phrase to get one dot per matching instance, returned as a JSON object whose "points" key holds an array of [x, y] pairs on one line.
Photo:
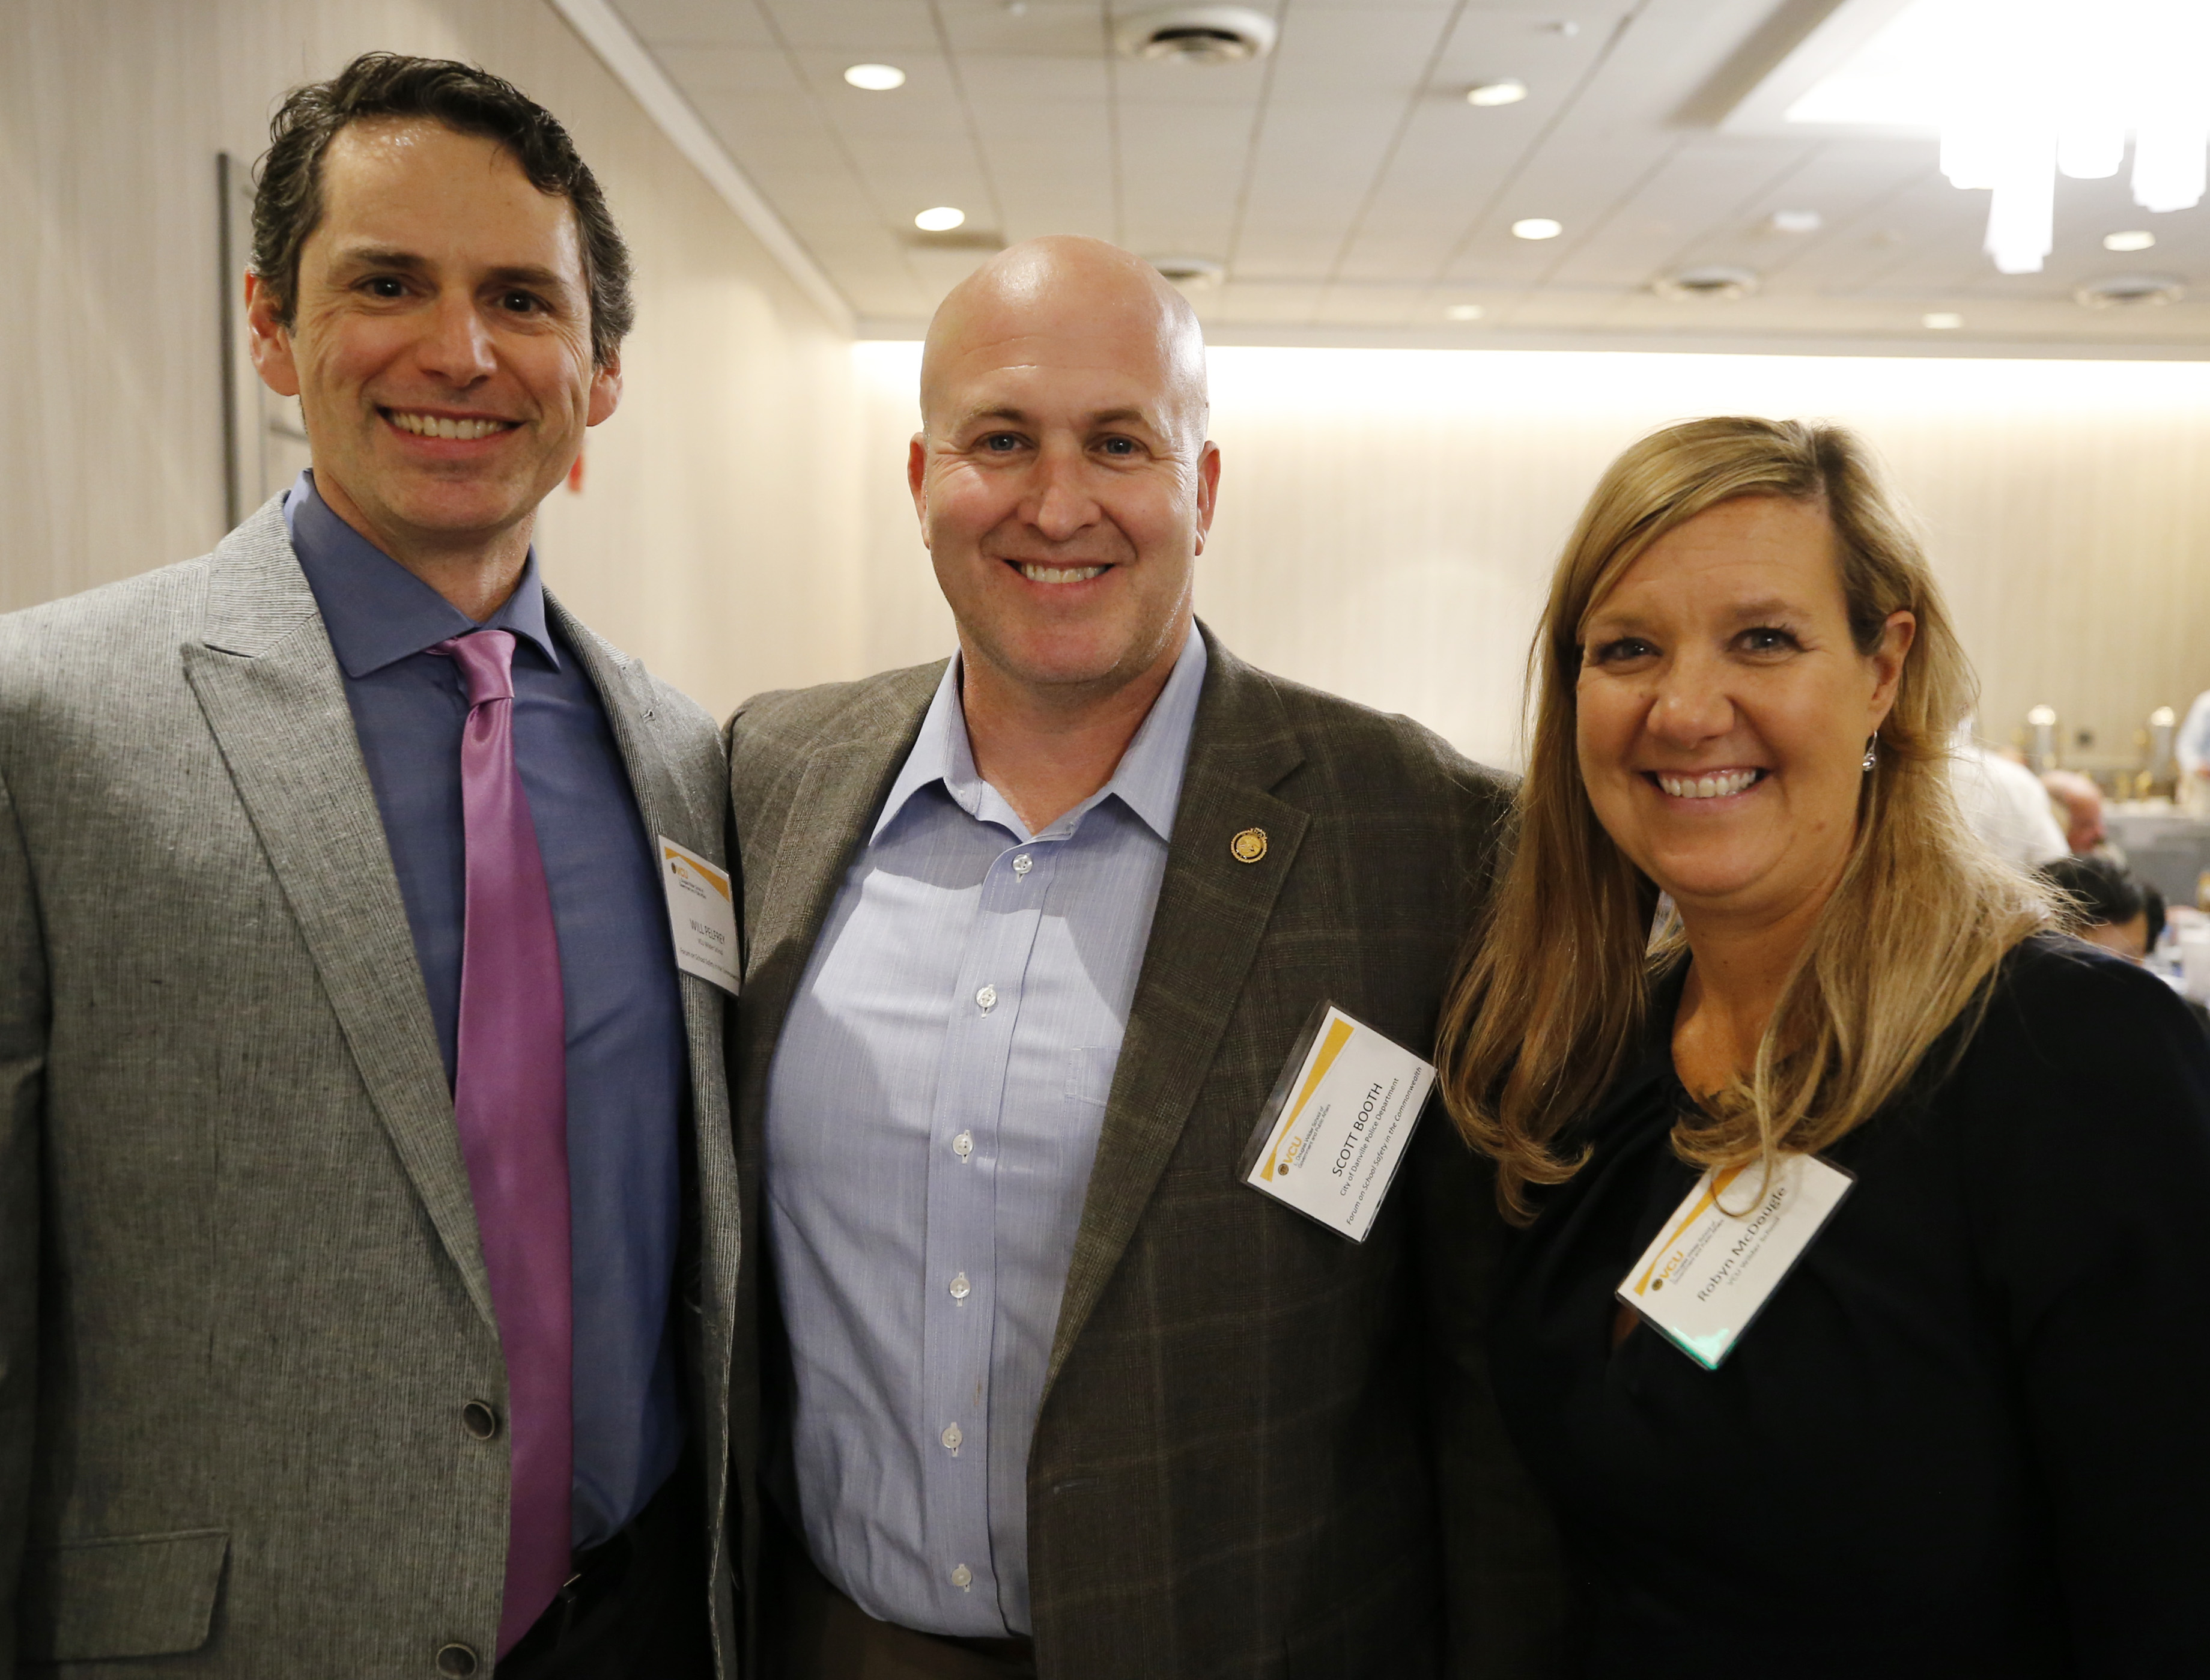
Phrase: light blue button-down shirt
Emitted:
{"points": [[933, 1114]]}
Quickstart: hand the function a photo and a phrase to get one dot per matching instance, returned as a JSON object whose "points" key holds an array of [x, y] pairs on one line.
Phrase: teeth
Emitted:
{"points": [[1053, 574], [437, 426], [1707, 787]]}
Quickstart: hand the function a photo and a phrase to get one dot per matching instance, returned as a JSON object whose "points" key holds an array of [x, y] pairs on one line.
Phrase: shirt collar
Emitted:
{"points": [[375, 611], [1147, 780]]}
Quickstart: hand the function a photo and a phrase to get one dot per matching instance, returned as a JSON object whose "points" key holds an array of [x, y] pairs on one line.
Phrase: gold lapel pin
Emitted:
{"points": [[1249, 846]]}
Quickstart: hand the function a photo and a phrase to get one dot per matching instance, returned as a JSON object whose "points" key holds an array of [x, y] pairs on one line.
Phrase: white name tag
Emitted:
{"points": [[1335, 1126], [701, 913], [1711, 1271]]}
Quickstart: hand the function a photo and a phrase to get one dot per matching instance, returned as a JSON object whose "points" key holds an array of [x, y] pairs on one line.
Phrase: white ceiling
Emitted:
{"points": [[1352, 194]]}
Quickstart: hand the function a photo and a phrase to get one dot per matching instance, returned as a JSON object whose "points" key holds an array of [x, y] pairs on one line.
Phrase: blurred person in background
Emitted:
{"points": [[2191, 746], [2004, 803], [367, 1203], [2109, 907], [1962, 1436], [2081, 803]]}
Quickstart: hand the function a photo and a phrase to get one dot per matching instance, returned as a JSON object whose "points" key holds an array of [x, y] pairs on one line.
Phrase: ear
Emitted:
{"points": [[1208, 490], [605, 391], [269, 340], [916, 481], [1896, 636]]}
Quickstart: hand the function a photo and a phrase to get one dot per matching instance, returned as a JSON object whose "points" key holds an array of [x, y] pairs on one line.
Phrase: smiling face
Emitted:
{"points": [[440, 344], [1723, 709], [1062, 477]]}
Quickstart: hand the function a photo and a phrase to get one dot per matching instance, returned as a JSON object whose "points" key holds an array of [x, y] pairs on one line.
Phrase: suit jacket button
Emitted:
{"points": [[481, 1422], [457, 1661]]}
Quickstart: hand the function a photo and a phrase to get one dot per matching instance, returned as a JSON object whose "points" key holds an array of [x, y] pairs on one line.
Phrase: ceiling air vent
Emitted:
{"points": [[2127, 290], [1196, 35], [1709, 282], [1191, 274]]}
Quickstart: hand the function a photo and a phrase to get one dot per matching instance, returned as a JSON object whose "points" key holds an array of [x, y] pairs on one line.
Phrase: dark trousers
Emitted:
{"points": [[815, 1633], [638, 1608]]}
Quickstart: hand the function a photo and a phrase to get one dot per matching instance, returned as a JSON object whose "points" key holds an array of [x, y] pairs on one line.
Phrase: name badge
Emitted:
{"points": [[701, 913], [1711, 1271], [1334, 1130]]}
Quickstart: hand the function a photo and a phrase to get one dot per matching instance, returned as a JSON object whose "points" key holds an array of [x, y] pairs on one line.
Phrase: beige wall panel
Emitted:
{"points": [[1388, 519], [716, 534]]}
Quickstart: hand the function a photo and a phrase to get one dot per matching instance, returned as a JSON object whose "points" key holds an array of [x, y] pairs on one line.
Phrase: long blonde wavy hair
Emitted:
{"points": [[1553, 991]]}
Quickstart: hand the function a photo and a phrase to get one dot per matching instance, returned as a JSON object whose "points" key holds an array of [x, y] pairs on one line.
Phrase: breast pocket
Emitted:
{"points": [[1089, 1075]]}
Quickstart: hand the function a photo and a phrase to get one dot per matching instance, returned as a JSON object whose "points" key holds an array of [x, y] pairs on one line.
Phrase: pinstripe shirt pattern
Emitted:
{"points": [[933, 1114]]}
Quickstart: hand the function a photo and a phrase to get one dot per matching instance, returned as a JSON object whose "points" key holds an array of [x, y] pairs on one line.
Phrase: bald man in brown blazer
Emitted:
{"points": [[1203, 1436]]}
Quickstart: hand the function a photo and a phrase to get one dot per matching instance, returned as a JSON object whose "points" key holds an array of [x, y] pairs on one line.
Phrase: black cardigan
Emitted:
{"points": [[1969, 1434]]}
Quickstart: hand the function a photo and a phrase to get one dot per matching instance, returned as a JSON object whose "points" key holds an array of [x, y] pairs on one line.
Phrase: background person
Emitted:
{"points": [[346, 1081], [2004, 803], [1963, 1436], [1033, 931]]}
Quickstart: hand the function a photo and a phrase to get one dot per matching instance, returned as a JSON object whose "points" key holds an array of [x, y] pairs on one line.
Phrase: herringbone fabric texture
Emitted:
{"points": [[242, 1298]]}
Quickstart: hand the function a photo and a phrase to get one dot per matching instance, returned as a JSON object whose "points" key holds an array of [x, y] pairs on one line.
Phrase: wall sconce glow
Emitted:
{"points": [[2025, 90], [941, 220], [1941, 321], [1508, 91], [1463, 313], [1537, 227], [875, 78], [2137, 239]]}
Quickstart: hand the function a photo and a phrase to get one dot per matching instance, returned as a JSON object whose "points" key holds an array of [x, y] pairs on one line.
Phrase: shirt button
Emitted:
{"points": [[953, 1435], [988, 997], [962, 1576], [960, 1288], [480, 1420], [1023, 864], [964, 1145], [457, 1661]]}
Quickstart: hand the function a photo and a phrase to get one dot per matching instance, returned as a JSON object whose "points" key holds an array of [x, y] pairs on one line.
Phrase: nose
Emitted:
{"points": [[1059, 505], [456, 346], [1691, 705]]}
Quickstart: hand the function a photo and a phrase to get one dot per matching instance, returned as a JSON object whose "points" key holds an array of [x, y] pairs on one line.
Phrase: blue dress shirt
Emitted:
{"points": [[627, 1064], [932, 1114]]}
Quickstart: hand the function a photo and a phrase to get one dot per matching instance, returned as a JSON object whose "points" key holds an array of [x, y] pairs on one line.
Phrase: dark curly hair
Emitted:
{"points": [[287, 200]]}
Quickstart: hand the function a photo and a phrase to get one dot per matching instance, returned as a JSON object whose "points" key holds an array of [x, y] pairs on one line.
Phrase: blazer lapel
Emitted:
{"points": [[1212, 912], [272, 693], [842, 788]]}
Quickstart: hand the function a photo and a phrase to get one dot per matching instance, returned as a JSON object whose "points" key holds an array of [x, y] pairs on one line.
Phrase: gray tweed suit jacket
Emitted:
{"points": [[1263, 1451], [242, 1299]]}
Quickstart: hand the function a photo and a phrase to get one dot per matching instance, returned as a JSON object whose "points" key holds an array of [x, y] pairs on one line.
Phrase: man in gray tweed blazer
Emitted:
{"points": [[368, 1230], [1030, 936]]}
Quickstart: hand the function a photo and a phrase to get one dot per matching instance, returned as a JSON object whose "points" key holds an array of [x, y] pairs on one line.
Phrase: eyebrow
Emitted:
{"points": [[1102, 417], [408, 262]]}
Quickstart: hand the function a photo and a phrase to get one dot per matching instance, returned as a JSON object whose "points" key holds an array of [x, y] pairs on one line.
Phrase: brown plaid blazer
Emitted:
{"points": [[1263, 1451]]}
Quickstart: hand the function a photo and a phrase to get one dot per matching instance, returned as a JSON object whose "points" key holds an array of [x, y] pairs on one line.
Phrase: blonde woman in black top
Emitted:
{"points": [[1966, 1434]]}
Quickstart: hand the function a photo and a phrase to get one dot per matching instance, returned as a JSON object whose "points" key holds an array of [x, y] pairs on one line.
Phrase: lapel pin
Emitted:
{"points": [[1249, 846]]}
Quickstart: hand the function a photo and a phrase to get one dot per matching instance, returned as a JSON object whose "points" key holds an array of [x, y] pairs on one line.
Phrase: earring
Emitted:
{"points": [[1872, 751]]}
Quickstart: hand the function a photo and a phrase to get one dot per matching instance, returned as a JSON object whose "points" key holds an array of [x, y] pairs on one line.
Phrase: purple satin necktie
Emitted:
{"points": [[510, 1099]]}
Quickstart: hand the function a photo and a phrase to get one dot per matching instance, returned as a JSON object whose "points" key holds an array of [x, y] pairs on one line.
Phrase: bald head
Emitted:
{"points": [[1066, 299]]}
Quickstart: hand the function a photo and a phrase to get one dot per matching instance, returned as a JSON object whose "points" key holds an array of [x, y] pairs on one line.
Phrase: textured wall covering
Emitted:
{"points": [[1388, 519], [716, 534]]}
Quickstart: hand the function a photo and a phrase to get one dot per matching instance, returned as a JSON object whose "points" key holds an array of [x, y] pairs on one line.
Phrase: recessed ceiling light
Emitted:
{"points": [[941, 220], [1941, 321], [1508, 91], [1537, 227], [2138, 239], [1463, 313], [875, 78], [1795, 221]]}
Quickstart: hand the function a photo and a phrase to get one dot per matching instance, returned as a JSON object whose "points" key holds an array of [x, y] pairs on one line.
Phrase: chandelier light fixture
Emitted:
{"points": [[2036, 88]]}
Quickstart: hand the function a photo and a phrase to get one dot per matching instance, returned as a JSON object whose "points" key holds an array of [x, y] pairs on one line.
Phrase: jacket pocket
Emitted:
{"points": [[138, 1595]]}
